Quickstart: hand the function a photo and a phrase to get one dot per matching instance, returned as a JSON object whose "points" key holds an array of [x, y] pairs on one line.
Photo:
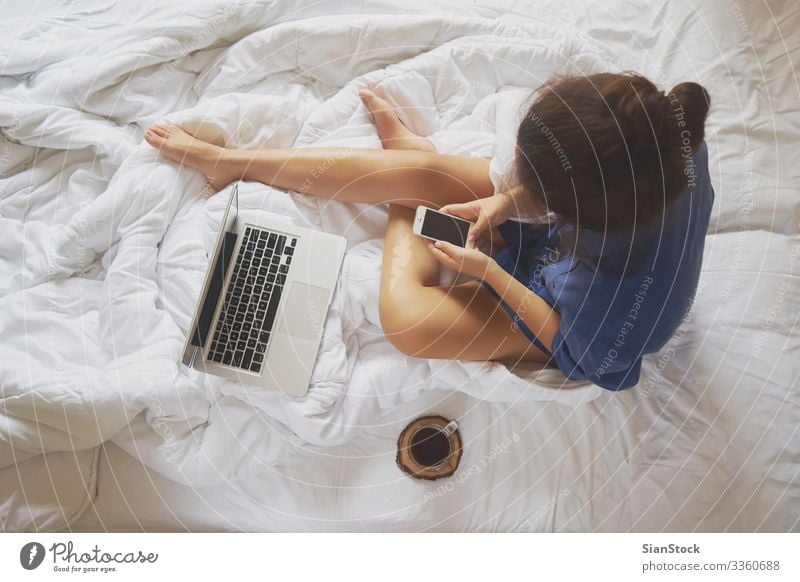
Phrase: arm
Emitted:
{"points": [[537, 314], [488, 213], [366, 175], [542, 319]]}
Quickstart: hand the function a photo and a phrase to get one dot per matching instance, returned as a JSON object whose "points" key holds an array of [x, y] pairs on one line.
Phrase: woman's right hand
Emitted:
{"points": [[484, 213]]}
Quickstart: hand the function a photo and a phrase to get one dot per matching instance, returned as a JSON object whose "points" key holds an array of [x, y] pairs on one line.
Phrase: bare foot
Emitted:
{"points": [[177, 145], [394, 135]]}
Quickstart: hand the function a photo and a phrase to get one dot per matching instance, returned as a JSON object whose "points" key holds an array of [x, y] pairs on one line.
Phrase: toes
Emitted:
{"points": [[383, 114], [368, 99], [153, 138], [374, 103], [165, 130], [159, 130], [380, 91]]}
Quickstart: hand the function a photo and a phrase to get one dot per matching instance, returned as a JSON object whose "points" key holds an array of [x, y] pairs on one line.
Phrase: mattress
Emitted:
{"points": [[104, 244]]}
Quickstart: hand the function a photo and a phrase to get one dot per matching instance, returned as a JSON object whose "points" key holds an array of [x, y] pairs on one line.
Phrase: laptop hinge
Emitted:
{"points": [[203, 326], [189, 356]]}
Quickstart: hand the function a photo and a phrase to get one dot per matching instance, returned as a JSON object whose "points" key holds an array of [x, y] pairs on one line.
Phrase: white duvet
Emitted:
{"points": [[103, 244], [104, 248]]}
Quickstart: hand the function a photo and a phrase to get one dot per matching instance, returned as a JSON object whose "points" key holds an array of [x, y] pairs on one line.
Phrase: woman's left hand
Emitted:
{"points": [[471, 262]]}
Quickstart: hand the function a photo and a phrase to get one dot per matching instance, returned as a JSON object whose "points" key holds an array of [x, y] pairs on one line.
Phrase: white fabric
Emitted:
{"points": [[48, 493], [100, 284], [103, 246]]}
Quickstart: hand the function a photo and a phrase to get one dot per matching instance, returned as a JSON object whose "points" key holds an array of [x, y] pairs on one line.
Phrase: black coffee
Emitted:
{"points": [[430, 446]]}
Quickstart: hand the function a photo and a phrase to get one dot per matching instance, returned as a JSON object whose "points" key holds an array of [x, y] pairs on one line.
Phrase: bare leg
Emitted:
{"points": [[407, 177], [422, 319], [391, 131]]}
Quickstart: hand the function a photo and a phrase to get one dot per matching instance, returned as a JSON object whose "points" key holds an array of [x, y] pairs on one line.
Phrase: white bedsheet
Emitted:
{"points": [[103, 247]]}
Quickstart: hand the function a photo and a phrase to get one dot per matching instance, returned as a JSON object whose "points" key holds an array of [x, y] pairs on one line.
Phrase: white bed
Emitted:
{"points": [[102, 248]]}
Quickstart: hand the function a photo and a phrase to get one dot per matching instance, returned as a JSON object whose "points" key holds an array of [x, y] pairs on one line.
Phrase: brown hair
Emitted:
{"points": [[609, 151]]}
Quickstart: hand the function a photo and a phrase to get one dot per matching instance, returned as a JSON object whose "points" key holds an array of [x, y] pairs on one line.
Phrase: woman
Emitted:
{"points": [[614, 170]]}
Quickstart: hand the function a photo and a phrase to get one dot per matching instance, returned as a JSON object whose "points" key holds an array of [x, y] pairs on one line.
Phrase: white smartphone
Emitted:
{"points": [[435, 225]]}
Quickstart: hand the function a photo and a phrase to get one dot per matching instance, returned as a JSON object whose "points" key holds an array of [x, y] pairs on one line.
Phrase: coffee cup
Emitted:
{"points": [[430, 444], [429, 448]]}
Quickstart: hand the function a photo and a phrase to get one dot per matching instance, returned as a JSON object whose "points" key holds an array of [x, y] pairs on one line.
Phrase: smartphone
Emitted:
{"points": [[435, 225]]}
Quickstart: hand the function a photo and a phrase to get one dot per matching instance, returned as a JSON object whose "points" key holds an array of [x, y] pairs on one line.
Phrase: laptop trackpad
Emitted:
{"points": [[304, 313]]}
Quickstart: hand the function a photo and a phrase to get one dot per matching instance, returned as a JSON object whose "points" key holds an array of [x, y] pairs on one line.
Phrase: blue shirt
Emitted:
{"points": [[620, 296]]}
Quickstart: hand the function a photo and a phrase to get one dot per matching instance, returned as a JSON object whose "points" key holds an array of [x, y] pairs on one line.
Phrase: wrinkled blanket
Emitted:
{"points": [[104, 244]]}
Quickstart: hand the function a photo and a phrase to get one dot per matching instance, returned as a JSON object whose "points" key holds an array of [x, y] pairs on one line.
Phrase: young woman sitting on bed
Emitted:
{"points": [[613, 170]]}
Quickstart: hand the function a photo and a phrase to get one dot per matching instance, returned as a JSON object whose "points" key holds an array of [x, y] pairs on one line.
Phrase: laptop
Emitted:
{"points": [[264, 300]]}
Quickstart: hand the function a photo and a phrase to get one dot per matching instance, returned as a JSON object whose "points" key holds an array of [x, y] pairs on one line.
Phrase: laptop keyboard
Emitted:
{"points": [[251, 302]]}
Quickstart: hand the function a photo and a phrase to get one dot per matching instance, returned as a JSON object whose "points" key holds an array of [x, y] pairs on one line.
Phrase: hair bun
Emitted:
{"points": [[689, 105], [642, 111], [607, 152]]}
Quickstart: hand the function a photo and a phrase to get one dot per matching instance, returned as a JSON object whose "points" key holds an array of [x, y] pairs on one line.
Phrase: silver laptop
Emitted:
{"points": [[264, 301]]}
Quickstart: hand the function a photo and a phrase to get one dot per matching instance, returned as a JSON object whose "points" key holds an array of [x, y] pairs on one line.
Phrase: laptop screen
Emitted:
{"points": [[215, 278]]}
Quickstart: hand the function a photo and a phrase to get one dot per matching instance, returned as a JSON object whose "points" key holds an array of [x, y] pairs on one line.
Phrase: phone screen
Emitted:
{"points": [[440, 226]]}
